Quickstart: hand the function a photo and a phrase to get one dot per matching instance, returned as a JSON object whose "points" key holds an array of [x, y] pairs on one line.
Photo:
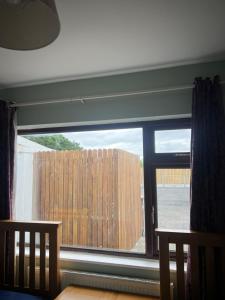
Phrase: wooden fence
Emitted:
{"points": [[95, 193], [173, 176]]}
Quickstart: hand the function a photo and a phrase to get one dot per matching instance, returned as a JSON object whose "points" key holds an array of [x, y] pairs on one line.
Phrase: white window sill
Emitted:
{"points": [[113, 261], [117, 265]]}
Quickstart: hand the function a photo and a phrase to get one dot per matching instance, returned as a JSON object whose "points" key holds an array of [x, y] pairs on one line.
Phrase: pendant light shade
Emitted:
{"points": [[28, 24]]}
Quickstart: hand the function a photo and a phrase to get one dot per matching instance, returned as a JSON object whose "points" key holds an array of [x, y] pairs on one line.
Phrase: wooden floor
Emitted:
{"points": [[80, 293]]}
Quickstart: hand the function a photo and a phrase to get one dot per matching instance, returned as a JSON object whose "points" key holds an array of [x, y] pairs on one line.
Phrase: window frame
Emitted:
{"points": [[176, 160], [152, 161]]}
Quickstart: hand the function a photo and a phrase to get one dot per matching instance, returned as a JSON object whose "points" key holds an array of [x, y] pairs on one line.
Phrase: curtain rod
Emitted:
{"points": [[83, 99]]}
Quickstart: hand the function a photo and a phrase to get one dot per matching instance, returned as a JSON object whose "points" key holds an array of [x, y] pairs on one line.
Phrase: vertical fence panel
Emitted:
{"points": [[104, 198], [110, 200], [94, 198], [65, 197], [99, 182], [88, 191], [115, 212], [44, 186], [95, 193], [56, 185], [75, 194], [173, 176]]}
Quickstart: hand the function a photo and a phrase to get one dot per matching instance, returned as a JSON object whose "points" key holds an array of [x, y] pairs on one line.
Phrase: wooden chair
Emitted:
{"points": [[212, 246], [13, 267]]}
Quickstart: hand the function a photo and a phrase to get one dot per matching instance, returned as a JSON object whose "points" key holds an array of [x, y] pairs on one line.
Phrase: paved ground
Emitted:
{"points": [[140, 245], [173, 207], [173, 210]]}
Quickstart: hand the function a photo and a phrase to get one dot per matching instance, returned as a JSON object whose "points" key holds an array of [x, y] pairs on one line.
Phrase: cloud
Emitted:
{"points": [[173, 140], [126, 139], [131, 140]]}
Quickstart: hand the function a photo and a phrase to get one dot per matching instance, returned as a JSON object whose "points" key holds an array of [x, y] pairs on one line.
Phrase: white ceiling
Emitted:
{"points": [[100, 37]]}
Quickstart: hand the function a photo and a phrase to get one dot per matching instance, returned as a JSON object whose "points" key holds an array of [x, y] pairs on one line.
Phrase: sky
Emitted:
{"points": [[131, 140], [125, 139]]}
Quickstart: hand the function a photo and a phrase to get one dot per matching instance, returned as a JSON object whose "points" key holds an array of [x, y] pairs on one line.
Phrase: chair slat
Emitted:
{"points": [[54, 262], [164, 269], [180, 271], [207, 263], [210, 272], [32, 261], [42, 261], [223, 271], [21, 258], [11, 257], [8, 266], [2, 257], [195, 287]]}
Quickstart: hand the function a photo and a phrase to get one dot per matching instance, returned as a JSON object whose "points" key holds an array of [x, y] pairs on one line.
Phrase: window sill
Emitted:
{"points": [[72, 260], [97, 262], [108, 260]]}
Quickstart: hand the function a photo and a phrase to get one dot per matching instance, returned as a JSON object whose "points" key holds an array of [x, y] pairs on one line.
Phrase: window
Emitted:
{"points": [[111, 185], [92, 181], [171, 169], [172, 141]]}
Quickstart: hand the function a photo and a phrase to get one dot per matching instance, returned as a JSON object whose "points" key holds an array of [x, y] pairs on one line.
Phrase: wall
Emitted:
{"points": [[24, 186], [133, 107], [25, 209]]}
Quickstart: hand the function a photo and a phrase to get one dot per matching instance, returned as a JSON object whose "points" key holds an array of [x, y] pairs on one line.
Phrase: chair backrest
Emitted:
{"points": [[26, 247], [207, 260]]}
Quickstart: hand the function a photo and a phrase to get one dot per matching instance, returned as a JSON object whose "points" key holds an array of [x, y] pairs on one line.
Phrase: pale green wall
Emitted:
{"points": [[154, 105]]}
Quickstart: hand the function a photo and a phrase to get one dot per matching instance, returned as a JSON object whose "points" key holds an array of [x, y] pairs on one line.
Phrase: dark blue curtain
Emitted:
{"points": [[7, 148], [208, 157], [208, 170]]}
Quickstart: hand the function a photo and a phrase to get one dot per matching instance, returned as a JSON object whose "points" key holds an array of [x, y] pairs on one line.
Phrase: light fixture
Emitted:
{"points": [[28, 24]]}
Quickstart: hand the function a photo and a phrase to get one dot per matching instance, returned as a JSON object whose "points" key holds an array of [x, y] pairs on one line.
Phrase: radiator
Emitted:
{"points": [[107, 282], [111, 282]]}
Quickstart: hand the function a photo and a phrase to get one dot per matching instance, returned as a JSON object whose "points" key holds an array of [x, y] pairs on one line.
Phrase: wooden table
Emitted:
{"points": [[81, 293]]}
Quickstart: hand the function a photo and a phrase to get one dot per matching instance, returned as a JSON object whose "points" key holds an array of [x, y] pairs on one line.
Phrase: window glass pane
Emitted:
{"points": [[173, 198], [92, 181], [172, 141]]}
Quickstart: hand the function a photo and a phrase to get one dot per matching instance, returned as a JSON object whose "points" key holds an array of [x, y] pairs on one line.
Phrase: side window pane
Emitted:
{"points": [[172, 141], [173, 198]]}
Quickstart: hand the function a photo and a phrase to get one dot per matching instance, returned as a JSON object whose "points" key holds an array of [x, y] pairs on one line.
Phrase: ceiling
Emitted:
{"points": [[102, 37]]}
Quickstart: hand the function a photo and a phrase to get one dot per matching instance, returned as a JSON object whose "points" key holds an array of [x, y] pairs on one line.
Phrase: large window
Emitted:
{"points": [[92, 181], [111, 186], [170, 165]]}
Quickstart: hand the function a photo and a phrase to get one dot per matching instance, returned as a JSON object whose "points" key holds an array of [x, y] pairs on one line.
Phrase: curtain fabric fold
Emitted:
{"points": [[7, 149], [208, 157], [208, 170]]}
